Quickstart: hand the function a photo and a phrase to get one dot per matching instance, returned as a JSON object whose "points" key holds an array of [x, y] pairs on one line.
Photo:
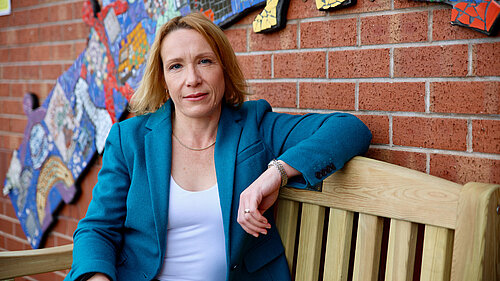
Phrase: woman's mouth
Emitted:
{"points": [[196, 97]]}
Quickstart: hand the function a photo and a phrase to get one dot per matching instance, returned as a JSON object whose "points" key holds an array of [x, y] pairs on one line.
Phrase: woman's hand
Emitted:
{"points": [[259, 197], [98, 277]]}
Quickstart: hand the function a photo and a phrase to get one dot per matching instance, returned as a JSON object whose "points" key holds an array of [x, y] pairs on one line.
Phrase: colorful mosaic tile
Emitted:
{"points": [[478, 15]]}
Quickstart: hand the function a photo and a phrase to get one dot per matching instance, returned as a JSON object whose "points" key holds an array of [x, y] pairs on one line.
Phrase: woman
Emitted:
{"points": [[185, 191]]}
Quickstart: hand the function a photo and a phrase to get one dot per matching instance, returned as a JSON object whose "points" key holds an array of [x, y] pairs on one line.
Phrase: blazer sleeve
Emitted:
{"points": [[98, 235], [317, 145]]}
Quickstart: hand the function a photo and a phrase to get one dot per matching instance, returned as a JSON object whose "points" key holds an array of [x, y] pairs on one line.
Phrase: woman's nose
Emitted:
{"points": [[193, 76]]}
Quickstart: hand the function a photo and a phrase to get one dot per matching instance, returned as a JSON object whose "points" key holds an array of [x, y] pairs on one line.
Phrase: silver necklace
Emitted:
{"points": [[190, 148]]}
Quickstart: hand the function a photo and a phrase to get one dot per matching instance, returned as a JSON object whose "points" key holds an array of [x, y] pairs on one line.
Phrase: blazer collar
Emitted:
{"points": [[228, 136], [158, 157]]}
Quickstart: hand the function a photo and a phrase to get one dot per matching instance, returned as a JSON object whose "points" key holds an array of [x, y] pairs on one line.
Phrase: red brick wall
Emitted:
{"points": [[429, 91]]}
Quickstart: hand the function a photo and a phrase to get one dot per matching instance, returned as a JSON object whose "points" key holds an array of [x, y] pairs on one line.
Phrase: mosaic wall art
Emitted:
{"points": [[66, 131], [478, 15]]}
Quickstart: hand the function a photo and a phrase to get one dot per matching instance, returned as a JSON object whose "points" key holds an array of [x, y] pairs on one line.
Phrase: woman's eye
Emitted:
{"points": [[174, 66], [205, 61]]}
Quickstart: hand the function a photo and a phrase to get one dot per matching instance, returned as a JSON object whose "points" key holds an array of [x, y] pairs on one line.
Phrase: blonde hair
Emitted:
{"points": [[152, 93]]}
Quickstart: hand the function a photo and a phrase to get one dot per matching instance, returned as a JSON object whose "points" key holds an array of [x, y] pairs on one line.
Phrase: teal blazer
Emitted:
{"points": [[124, 232]]}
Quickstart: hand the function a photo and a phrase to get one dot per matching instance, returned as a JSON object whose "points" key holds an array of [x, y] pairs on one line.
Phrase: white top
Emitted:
{"points": [[195, 236]]}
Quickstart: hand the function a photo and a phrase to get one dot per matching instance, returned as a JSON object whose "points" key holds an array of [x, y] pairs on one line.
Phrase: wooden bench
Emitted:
{"points": [[372, 221]]}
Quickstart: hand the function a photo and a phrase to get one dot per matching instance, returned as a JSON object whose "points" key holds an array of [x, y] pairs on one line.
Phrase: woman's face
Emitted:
{"points": [[193, 75]]}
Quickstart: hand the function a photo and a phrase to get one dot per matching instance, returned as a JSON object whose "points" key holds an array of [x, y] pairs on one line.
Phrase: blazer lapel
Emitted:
{"points": [[158, 150], [228, 136]]}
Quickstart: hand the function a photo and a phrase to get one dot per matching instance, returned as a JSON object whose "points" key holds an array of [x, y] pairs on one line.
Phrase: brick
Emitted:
{"points": [[3, 198], [78, 48], [19, 231], [10, 141], [20, 54], [19, 18], [4, 89], [75, 31], [12, 107], [29, 72], [403, 4], [363, 7], [87, 186], [412, 160], [61, 226], [432, 61], [4, 55], [255, 66], [437, 133], [237, 38], [6, 226], [9, 209], [359, 63], [277, 94], [77, 9], [486, 136], [50, 71], [442, 29], [469, 97], [10, 72], [4, 124], [52, 52], [335, 96], [5, 21], [9, 37], [17, 125], [40, 15], [463, 169], [18, 90], [50, 240], [27, 36], [61, 12], [392, 96], [72, 224], [23, 3], [300, 65], [4, 167], [63, 240], [51, 33], [485, 60], [332, 33], [397, 28], [299, 9], [283, 39], [16, 244], [379, 126]]}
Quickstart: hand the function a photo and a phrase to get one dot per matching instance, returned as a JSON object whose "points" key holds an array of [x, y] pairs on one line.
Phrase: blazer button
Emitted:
{"points": [[235, 267], [328, 169], [324, 172], [318, 175]]}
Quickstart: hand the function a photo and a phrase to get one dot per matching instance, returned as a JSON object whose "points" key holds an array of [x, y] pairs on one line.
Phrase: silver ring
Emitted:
{"points": [[247, 211]]}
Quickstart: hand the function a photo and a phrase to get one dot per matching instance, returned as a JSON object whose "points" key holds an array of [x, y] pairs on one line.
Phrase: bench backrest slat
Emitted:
{"points": [[401, 250], [310, 242], [436, 254], [286, 222], [338, 245], [368, 245]]}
